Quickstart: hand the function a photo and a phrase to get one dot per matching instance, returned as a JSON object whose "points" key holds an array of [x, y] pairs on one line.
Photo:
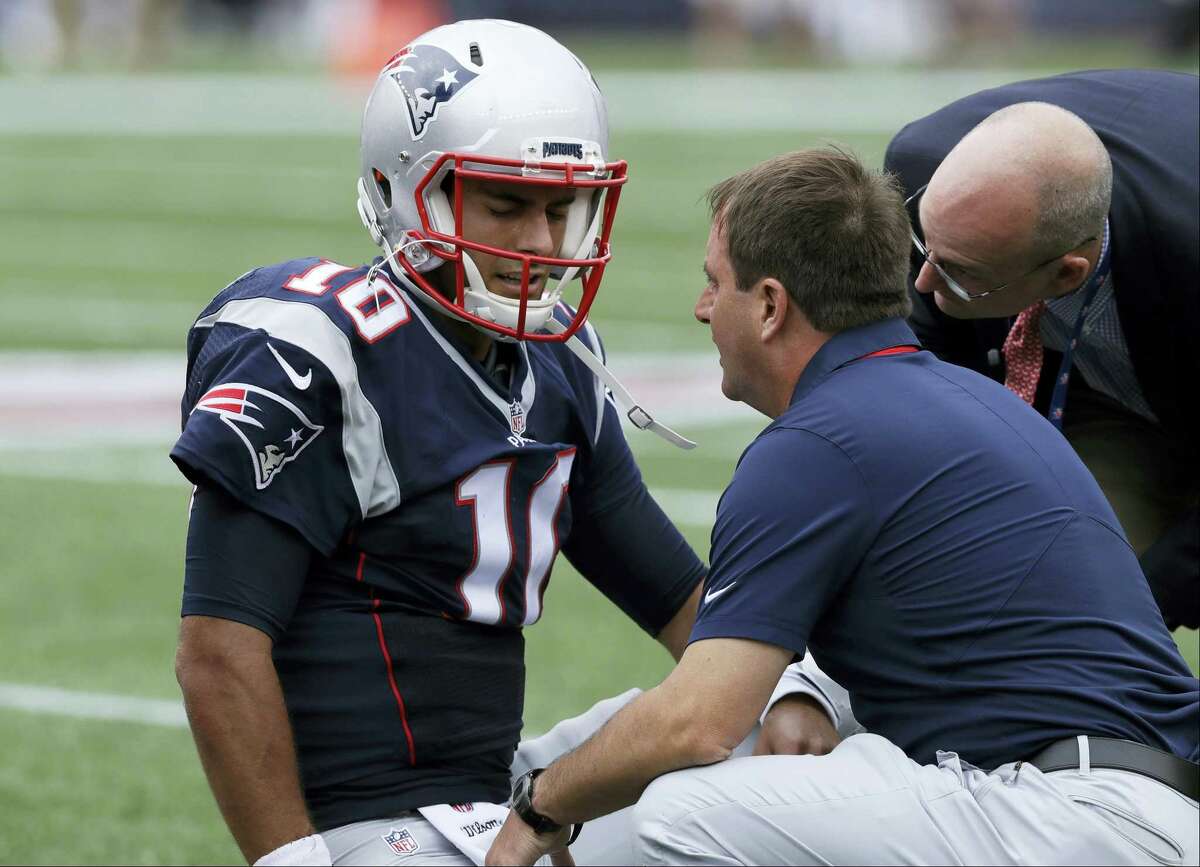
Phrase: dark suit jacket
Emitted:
{"points": [[1150, 123]]}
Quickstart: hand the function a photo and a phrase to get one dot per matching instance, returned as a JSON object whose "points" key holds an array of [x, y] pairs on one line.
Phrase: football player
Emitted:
{"points": [[388, 458]]}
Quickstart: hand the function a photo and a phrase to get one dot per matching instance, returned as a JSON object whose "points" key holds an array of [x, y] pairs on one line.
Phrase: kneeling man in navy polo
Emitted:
{"points": [[940, 550]]}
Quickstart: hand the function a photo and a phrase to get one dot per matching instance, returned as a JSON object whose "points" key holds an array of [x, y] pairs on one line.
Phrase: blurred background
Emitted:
{"points": [[153, 150]]}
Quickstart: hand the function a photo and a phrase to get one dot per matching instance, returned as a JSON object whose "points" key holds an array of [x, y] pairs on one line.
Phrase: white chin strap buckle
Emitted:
{"points": [[640, 418]]}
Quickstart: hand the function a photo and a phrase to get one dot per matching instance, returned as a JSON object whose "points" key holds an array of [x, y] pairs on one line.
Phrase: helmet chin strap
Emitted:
{"points": [[390, 253], [633, 411], [638, 416], [389, 256]]}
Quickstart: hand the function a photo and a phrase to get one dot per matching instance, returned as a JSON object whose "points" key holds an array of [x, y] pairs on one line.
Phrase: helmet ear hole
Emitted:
{"points": [[366, 213], [384, 185]]}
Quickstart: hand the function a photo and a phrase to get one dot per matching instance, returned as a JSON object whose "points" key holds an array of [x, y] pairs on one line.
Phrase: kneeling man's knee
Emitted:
{"points": [[656, 816]]}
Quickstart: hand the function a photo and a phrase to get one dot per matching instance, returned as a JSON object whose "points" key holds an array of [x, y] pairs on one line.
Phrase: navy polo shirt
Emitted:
{"points": [[947, 558]]}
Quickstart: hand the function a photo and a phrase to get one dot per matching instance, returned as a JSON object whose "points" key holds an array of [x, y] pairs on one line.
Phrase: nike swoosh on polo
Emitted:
{"points": [[713, 594], [301, 382]]}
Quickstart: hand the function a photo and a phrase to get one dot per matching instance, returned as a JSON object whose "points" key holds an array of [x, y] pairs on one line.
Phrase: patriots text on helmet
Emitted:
{"points": [[562, 149]]}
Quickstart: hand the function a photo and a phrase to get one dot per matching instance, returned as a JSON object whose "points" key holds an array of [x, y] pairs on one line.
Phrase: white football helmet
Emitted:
{"points": [[489, 100]]}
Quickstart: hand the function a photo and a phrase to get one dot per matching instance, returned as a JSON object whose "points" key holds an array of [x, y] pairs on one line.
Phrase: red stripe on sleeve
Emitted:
{"points": [[232, 393]]}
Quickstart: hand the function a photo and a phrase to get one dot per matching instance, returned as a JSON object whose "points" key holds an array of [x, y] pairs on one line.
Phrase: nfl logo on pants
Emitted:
{"points": [[401, 841]]}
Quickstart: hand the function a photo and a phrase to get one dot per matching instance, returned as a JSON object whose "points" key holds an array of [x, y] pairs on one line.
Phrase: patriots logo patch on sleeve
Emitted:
{"points": [[429, 77], [273, 429]]}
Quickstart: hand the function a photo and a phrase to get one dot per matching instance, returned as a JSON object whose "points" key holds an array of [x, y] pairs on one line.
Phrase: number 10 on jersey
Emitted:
{"points": [[486, 491]]}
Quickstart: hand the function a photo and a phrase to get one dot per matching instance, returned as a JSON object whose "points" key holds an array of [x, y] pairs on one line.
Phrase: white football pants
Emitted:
{"points": [[868, 803]]}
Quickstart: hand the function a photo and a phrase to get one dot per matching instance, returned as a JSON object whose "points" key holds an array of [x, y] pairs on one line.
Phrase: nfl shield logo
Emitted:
{"points": [[516, 418], [401, 841]]}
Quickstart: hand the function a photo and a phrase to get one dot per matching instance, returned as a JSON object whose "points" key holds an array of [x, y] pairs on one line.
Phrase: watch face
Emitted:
{"points": [[522, 794], [522, 804]]}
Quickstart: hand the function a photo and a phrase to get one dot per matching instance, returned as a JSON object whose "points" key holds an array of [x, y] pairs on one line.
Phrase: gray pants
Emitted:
{"points": [[608, 840], [868, 803]]}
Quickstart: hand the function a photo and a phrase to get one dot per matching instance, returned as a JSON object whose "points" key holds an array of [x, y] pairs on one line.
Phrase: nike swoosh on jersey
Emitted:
{"points": [[301, 382], [713, 594]]}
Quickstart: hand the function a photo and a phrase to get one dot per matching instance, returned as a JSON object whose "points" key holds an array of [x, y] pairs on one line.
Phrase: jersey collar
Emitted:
{"points": [[850, 345], [524, 385]]}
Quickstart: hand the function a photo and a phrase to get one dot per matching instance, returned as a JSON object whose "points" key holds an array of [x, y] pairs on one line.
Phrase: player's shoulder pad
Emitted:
{"points": [[289, 301], [312, 279]]}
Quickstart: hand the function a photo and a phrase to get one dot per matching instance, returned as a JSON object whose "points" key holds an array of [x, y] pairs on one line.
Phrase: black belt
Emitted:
{"points": [[1170, 770]]}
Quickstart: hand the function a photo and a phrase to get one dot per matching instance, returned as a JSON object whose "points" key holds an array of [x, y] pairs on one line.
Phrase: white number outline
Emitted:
{"points": [[481, 587], [486, 591], [389, 314], [316, 280]]}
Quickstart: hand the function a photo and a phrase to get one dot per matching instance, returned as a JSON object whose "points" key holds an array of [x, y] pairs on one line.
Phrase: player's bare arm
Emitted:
{"points": [[674, 636], [697, 716], [240, 724], [795, 725]]}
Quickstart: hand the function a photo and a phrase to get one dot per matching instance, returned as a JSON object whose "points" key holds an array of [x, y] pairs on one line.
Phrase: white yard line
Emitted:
{"points": [[55, 400], [92, 705], [52, 701], [110, 418], [684, 101]]}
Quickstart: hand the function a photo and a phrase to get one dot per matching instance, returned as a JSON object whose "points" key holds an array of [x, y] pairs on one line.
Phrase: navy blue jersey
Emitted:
{"points": [[435, 501], [948, 559]]}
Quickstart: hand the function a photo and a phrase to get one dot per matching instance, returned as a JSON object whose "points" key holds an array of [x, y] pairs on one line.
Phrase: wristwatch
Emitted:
{"points": [[522, 805]]}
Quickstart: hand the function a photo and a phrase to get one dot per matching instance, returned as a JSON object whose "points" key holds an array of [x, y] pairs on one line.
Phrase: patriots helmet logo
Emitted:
{"points": [[273, 429], [429, 77]]}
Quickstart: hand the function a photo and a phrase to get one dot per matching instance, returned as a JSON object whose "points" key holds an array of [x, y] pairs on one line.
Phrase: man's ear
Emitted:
{"points": [[775, 307], [1070, 273]]}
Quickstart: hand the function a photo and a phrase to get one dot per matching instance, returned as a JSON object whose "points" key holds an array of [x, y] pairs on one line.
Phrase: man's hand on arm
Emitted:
{"points": [[796, 725], [809, 713], [697, 716], [239, 721]]}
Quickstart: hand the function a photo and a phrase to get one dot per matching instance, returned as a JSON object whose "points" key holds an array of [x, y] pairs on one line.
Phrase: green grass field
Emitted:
{"points": [[112, 244]]}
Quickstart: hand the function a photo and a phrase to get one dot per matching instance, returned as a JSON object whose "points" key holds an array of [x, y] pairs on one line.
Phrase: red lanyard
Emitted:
{"points": [[902, 349]]}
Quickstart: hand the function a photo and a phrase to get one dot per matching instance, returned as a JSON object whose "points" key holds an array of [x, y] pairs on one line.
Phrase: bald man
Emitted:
{"points": [[1056, 250]]}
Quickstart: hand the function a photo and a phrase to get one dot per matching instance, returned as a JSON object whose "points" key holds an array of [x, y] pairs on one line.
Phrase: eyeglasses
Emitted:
{"points": [[912, 205]]}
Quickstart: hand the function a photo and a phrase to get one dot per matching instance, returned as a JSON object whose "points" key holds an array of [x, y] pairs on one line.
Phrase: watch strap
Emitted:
{"points": [[522, 804]]}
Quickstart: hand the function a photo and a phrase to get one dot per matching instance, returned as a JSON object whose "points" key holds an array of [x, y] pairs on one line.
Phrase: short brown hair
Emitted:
{"points": [[834, 233]]}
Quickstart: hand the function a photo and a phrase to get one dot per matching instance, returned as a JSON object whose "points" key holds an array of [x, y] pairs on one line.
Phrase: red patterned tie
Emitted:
{"points": [[1023, 353]]}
